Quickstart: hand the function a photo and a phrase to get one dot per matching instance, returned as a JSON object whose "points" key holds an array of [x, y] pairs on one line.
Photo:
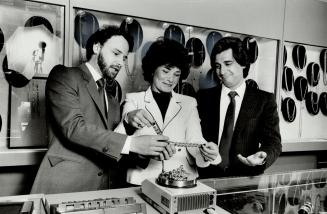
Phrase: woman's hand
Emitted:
{"points": [[139, 118], [209, 151]]}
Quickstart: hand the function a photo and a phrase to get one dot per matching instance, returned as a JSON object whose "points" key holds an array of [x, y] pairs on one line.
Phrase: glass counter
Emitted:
{"points": [[293, 192], [290, 193]]}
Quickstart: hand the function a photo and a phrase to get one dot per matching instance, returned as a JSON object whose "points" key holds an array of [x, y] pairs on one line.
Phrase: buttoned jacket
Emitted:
{"points": [[83, 150]]}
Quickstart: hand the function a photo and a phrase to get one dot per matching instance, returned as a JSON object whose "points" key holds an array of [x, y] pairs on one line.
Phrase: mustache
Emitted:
{"points": [[116, 66]]}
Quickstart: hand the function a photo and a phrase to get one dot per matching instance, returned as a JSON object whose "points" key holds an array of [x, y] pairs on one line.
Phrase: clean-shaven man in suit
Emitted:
{"points": [[244, 123], [84, 152]]}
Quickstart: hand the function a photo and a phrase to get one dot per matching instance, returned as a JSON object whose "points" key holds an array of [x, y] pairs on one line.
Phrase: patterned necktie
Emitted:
{"points": [[226, 137], [101, 89]]}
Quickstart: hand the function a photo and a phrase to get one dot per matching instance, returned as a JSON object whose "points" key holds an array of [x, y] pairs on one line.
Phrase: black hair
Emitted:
{"points": [[165, 52], [238, 49], [102, 35]]}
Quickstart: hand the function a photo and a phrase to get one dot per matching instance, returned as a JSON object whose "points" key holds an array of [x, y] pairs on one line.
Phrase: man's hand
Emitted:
{"points": [[209, 151], [152, 145], [253, 160], [169, 151], [139, 118]]}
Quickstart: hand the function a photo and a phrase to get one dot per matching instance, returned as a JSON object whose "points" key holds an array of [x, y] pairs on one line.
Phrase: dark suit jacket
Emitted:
{"points": [[257, 124], [83, 150]]}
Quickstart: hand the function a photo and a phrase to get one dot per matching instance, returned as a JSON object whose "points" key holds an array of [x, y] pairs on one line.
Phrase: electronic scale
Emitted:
{"points": [[170, 200]]}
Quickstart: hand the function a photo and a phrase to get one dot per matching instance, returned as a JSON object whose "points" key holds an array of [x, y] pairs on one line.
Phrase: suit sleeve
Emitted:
{"points": [[63, 100], [194, 134], [270, 137], [134, 159]]}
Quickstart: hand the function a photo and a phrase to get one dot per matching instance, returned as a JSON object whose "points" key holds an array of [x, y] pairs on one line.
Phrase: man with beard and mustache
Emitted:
{"points": [[84, 153]]}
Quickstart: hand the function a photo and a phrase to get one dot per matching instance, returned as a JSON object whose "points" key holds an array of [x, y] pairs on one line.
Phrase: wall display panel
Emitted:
{"points": [[31, 43], [27, 115], [198, 41], [303, 95]]}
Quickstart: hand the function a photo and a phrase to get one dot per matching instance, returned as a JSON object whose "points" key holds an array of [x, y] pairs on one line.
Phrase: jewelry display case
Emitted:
{"points": [[276, 193]]}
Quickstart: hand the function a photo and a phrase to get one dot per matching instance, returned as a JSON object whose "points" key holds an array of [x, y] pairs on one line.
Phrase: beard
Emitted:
{"points": [[105, 68]]}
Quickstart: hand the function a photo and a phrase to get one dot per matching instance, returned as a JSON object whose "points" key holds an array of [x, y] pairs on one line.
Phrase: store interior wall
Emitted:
{"points": [[263, 18]]}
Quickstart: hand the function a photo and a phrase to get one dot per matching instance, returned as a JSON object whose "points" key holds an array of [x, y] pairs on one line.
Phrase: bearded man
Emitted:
{"points": [[83, 108]]}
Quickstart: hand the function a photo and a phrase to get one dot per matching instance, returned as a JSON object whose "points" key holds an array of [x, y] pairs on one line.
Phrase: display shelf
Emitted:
{"points": [[20, 157]]}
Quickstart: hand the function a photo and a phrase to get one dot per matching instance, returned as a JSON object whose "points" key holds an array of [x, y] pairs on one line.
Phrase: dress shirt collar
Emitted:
{"points": [[95, 74], [240, 90]]}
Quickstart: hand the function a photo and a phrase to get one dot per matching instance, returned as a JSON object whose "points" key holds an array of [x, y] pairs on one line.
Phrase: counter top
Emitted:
{"points": [[20, 157]]}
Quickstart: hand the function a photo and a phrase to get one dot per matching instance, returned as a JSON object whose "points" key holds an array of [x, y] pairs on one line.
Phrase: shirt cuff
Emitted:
{"points": [[127, 146]]}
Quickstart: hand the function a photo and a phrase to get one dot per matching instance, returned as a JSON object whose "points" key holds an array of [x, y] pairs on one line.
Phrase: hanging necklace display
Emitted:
{"points": [[2, 39], [38, 20], [284, 179], [299, 56], [294, 194], [175, 33], [212, 38], [323, 103], [312, 98], [196, 54], [251, 48], [284, 56], [134, 29], [323, 64], [312, 102], [300, 90], [313, 74], [196, 51], [85, 24], [288, 109], [280, 203], [287, 79], [306, 178], [321, 181]]}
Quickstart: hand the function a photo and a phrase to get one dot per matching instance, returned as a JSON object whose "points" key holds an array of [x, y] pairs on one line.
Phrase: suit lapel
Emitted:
{"points": [[152, 107], [248, 102], [216, 95], [173, 108], [93, 92]]}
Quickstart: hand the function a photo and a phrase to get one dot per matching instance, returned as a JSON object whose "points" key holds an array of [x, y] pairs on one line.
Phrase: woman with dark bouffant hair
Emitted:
{"points": [[159, 110]]}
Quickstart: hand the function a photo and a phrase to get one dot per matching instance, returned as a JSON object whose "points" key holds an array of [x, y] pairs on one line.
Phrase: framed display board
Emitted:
{"points": [[27, 115], [303, 97], [32, 38]]}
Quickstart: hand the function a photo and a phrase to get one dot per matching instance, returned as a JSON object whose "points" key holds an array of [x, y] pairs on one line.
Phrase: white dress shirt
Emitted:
{"points": [[224, 102]]}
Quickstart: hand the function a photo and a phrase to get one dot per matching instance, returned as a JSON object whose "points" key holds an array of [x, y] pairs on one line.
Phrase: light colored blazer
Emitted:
{"points": [[181, 124]]}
